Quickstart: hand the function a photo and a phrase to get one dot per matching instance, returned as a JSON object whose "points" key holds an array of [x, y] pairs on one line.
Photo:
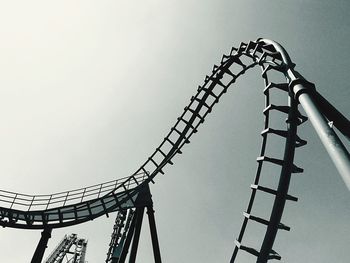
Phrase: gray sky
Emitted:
{"points": [[89, 88]]}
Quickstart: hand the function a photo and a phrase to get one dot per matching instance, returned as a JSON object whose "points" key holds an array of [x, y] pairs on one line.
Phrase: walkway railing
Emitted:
{"points": [[20, 201]]}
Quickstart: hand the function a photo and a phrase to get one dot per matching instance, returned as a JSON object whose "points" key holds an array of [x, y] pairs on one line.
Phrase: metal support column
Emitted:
{"points": [[131, 234], [154, 236], [128, 241], [42, 245], [135, 241], [332, 114], [335, 148]]}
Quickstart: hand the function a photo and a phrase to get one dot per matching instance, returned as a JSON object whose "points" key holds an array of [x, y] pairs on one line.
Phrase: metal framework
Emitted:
{"points": [[127, 229], [71, 249], [77, 206]]}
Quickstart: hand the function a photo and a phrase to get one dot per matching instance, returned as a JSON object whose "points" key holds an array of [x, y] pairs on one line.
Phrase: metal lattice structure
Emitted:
{"points": [[127, 229], [120, 229], [71, 249], [77, 206]]}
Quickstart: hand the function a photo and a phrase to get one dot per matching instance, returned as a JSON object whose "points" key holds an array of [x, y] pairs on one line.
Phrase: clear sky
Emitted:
{"points": [[88, 89]]}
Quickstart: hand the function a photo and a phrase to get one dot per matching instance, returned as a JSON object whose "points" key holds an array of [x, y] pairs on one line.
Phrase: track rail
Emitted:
{"points": [[77, 206]]}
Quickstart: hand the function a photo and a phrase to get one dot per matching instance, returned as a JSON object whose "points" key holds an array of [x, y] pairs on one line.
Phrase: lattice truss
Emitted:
{"points": [[71, 249], [118, 237]]}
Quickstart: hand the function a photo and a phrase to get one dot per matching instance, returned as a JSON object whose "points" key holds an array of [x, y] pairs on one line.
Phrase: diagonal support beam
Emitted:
{"points": [[42, 245], [303, 91], [135, 242], [332, 114], [154, 236], [127, 243]]}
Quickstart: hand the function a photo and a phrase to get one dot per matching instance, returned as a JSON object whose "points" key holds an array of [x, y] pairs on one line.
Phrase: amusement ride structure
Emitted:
{"points": [[129, 196]]}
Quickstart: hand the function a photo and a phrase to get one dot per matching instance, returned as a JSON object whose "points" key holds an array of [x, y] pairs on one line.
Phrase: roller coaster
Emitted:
{"points": [[129, 196]]}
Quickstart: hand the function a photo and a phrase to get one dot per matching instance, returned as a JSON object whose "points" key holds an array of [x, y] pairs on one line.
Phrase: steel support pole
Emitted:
{"points": [[127, 243], [332, 114], [335, 148], [42, 245], [154, 236], [135, 241]]}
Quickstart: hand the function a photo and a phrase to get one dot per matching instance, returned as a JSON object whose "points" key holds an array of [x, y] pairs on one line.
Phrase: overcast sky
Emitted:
{"points": [[88, 89]]}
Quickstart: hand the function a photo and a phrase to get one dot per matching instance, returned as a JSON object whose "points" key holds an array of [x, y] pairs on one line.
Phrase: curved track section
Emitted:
{"points": [[67, 208], [77, 206]]}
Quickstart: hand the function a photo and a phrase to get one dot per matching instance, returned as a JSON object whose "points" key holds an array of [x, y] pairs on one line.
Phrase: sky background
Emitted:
{"points": [[88, 89]]}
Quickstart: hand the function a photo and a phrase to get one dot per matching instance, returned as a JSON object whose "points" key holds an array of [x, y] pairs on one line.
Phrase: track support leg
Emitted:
{"points": [[42, 245], [135, 242], [154, 236], [131, 234], [335, 148], [127, 243]]}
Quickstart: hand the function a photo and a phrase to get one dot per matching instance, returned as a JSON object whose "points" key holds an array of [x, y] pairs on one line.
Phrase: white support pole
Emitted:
{"points": [[335, 148]]}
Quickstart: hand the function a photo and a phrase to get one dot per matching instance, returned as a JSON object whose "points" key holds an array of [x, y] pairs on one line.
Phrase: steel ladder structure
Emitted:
{"points": [[73, 207], [127, 229], [71, 249]]}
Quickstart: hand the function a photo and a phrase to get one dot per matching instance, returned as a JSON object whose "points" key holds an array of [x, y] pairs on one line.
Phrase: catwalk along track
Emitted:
{"points": [[78, 206]]}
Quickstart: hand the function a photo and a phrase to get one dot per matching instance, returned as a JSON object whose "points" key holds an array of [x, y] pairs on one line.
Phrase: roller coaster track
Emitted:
{"points": [[77, 206]]}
